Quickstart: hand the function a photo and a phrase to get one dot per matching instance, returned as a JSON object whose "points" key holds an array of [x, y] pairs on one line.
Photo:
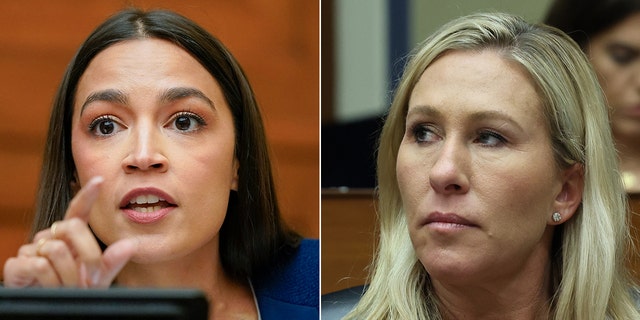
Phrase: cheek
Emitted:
{"points": [[518, 194], [412, 178], [91, 161], [206, 168], [86, 159], [401, 174]]}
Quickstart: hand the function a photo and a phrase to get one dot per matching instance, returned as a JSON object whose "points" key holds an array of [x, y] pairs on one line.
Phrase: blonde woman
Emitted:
{"points": [[500, 196]]}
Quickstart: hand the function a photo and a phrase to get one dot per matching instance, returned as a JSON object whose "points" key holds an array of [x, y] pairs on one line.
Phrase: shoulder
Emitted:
{"points": [[635, 295], [337, 304], [292, 287]]}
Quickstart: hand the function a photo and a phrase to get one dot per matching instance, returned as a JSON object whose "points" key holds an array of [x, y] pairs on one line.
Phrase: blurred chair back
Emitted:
{"points": [[348, 237]]}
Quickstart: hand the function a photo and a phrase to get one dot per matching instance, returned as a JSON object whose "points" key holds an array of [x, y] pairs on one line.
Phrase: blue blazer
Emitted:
{"points": [[292, 291]]}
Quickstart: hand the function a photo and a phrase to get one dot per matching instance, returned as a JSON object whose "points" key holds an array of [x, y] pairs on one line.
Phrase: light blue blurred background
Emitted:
{"points": [[370, 38]]}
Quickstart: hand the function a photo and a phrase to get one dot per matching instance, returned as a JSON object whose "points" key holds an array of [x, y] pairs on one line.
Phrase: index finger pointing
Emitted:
{"points": [[81, 204]]}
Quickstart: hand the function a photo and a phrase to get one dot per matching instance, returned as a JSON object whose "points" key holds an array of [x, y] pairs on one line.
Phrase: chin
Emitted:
{"points": [[153, 256], [156, 249], [457, 269]]}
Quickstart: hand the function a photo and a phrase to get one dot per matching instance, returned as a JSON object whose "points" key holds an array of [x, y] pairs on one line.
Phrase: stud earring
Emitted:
{"points": [[556, 217]]}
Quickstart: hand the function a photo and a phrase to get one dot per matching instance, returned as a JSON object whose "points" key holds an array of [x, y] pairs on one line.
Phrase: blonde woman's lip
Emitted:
{"points": [[451, 219]]}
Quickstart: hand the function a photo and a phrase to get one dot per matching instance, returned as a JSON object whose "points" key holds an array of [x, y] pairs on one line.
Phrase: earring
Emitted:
{"points": [[556, 217]]}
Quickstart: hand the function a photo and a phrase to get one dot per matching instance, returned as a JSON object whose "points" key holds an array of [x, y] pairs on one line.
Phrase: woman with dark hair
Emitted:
{"points": [[157, 137], [608, 31]]}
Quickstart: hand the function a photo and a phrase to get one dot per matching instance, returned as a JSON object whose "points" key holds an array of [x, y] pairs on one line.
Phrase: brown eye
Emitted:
{"points": [[183, 123], [104, 126], [187, 122]]}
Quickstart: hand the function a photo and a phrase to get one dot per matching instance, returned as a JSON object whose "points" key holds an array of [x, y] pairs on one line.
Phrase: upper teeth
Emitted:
{"points": [[144, 199]]}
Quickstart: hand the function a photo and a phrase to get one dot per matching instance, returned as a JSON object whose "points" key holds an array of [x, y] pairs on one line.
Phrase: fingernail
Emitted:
{"points": [[95, 180], [95, 277], [83, 275]]}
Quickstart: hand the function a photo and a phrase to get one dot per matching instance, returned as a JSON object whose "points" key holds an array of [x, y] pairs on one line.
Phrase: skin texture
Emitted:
{"points": [[615, 55], [479, 184], [67, 254], [194, 167], [148, 120]]}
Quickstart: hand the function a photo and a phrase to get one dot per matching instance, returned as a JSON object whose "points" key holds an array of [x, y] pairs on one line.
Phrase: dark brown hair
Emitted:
{"points": [[583, 19], [253, 235]]}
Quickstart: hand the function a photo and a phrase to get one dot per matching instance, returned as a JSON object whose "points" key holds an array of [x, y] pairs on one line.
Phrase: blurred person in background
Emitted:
{"points": [[608, 31]]}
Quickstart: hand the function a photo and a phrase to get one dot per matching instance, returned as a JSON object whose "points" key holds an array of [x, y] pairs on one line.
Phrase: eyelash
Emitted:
{"points": [[421, 129], [501, 139], [99, 120], [190, 114], [109, 118], [199, 120]]}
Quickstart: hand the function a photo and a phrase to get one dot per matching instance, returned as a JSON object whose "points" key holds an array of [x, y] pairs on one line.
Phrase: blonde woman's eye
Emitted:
{"points": [[423, 133], [490, 139]]}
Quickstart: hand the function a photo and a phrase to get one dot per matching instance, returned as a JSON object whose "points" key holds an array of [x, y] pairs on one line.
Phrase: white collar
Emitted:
{"points": [[255, 299]]}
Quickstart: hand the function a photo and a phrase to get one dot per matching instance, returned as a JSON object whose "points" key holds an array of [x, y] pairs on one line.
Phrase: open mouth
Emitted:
{"points": [[147, 203]]}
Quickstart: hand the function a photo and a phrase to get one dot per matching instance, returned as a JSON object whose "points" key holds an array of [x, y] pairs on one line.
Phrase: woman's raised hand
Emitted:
{"points": [[67, 254]]}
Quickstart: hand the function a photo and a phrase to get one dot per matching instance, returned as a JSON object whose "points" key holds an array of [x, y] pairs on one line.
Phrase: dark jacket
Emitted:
{"points": [[291, 291]]}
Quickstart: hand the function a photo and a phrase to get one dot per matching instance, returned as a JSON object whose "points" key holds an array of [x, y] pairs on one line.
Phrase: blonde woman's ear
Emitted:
{"points": [[570, 196]]}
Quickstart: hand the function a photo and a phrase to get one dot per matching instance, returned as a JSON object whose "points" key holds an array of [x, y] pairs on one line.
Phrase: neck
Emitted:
{"points": [[202, 270], [493, 303]]}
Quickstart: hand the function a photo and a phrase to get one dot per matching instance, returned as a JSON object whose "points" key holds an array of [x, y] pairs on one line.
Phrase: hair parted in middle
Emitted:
{"points": [[253, 235]]}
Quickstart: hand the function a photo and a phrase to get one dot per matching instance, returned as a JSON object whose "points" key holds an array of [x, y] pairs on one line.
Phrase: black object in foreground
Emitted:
{"points": [[114, 303]]}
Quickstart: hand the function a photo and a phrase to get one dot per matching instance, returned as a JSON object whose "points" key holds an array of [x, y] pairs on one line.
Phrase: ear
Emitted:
{"points": [[234, 181], [570, 196], [74, 184]]}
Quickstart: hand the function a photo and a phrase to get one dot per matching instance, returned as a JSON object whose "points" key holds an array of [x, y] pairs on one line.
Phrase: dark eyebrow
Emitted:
{"points": [[178, 93], [108, 95]]}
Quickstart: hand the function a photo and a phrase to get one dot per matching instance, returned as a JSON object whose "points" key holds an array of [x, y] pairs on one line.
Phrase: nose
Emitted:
{"points": [[448, 175], [145, 152]]}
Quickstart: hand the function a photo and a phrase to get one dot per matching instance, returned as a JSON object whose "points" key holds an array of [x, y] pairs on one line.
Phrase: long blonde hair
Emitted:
{"points": [[589, 277]]}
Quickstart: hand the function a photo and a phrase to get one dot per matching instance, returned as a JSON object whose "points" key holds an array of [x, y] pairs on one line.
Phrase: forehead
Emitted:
{"points": [[464, 80], [137, 57], [146, 65]]}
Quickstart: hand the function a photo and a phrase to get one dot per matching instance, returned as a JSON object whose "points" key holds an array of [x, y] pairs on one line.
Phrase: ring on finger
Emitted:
{"points": [[53, 229], [39, 246]]}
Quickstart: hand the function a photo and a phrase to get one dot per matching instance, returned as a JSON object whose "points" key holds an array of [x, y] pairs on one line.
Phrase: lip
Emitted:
{"points": [[447, 220], [146, 217]]}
